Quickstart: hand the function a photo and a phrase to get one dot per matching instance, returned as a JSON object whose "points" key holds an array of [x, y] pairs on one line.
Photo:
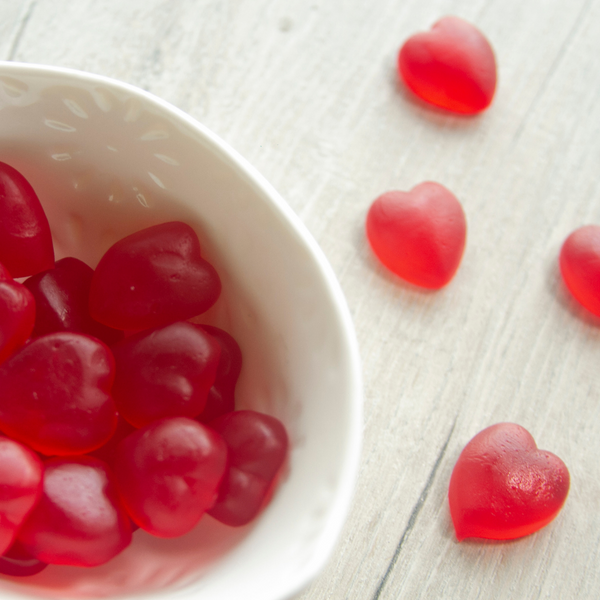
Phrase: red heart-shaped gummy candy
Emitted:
{"points": [[62, 301], [580, 266], [25, 238], [20, 488], [17, 317], [502, 487], [164, 372], [257, 446], [79, 519], [168, 474], [56, 394], [419, 235], [451, 66], [153, 277]]}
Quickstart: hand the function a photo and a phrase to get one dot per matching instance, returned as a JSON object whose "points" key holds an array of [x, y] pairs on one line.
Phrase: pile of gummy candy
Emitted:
{"points": [[117, 412]]}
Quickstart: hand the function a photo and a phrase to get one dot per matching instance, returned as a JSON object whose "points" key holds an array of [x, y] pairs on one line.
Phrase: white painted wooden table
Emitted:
{"points": [[307, 91]]}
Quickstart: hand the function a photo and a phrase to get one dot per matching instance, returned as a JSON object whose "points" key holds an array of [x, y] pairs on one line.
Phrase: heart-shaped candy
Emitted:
{"points": [[419, 235], [168, 474], [25, 239], [56, 394], [62, 301], [451, 66], [79, 519], [152, 278], [257, 447], [502, 487], [580, 266], [164, 372], [17, 316]]}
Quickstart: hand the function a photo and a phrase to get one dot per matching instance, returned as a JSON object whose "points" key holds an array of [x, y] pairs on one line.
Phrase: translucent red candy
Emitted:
{"points": [[168, 474], [580, 266], [153, 277], [164, 372], [56, 394], [20, 488], [257, 447], [61, 299], [502, 487], [419, 235], [25, 239], [57, 381], [16, 561], [221, 396], [17, 316], [452, 66], [79, 519]]}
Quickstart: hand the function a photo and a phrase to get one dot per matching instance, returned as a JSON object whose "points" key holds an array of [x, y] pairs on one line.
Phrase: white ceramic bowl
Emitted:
{"points": [[107, 159]]}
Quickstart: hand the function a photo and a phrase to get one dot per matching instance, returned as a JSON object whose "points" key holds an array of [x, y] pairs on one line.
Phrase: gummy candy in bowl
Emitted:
{"points": [[107, 159]]}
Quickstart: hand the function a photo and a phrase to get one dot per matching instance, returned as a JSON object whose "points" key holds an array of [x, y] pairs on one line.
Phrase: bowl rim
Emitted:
{"points": [[352, 453]]}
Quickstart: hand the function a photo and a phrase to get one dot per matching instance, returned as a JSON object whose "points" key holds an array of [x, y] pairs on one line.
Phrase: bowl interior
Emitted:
{"points": [[107, 159]]}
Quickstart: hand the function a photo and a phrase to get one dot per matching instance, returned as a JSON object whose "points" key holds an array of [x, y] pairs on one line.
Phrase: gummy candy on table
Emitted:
{"points": [[152, 278], [61, 299], [25, 239], [35, 382], [79, 519], [257, 446], [168, 474], [419, 235], [164, 372], [221, 396], [452, 66], [503, 487], [580, 266]]}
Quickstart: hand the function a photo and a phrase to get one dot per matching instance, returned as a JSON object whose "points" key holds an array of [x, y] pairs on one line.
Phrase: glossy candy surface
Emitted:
{"points": [[580, 266], [20, 488], [257, 446], [61, 299], [25, 239], [164, 372], [79, 519], [56, 394], [221, 396], [419, 235], [17, 317], [502, 487], [452, 66], [153, 277], [168, 474]]}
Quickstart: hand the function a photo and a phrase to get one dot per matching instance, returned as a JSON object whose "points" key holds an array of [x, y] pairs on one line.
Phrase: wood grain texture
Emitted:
{"points": [[307, 91]]}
